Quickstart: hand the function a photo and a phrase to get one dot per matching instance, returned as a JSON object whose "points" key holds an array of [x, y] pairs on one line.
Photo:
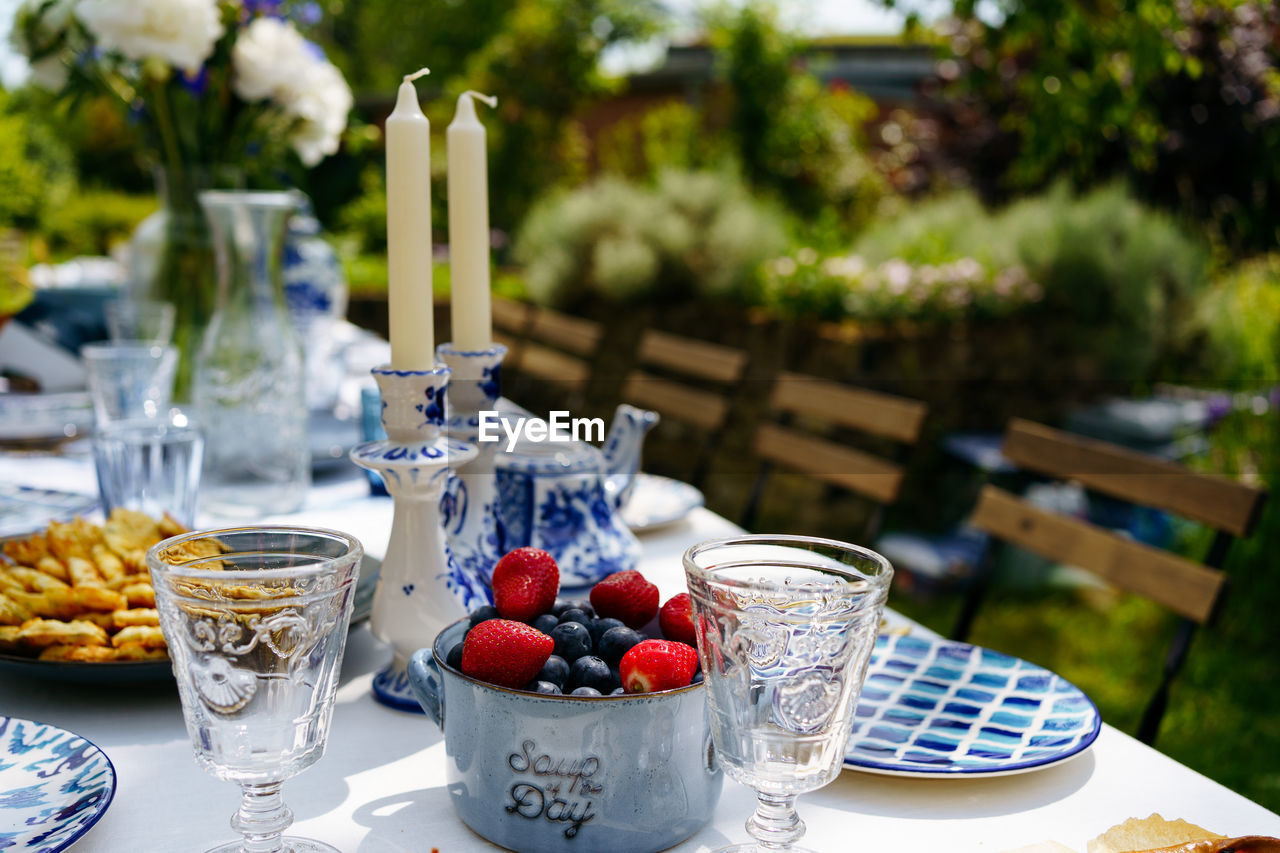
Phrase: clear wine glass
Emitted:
{"points": [[256, 621], [786, 625]]}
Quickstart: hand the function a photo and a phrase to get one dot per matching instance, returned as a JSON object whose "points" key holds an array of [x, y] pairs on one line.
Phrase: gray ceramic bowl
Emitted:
{"points": [[536, 774]]}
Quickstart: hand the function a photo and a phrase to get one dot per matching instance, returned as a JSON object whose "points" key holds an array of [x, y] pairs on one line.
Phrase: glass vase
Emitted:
{"points": [[172, 258], [249, 378]]}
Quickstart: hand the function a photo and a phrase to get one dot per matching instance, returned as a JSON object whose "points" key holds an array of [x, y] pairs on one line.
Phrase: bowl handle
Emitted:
{"points": [[428, 685]]}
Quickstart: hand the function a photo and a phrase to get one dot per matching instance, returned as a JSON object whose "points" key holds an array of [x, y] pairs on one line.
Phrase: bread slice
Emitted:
{"points": [[1149, 833]]}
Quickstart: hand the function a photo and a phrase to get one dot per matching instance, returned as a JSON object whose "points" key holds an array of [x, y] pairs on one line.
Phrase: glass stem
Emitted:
{"points": [[775, 824], [262, 817]]}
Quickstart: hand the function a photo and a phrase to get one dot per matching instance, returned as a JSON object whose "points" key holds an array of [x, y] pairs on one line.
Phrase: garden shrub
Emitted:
{"points": [[693, 234], [91, 222], [35, 167], [1240, 315], [1118, 277]]}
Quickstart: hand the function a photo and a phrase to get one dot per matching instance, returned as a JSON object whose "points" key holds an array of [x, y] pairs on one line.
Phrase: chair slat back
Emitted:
{"points": [[873, 412], [573, 334], [1185, 587], [689, 357], [703, 409], [545, 363], [847, 467], [1135, 477], [511, 317]]}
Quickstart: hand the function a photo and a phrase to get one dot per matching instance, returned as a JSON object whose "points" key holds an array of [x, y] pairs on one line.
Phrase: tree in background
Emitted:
{"points": [[1181, 98]]}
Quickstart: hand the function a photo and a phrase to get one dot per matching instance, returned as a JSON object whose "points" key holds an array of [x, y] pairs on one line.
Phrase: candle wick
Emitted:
{"points": [[421, 72], [488, 99]]}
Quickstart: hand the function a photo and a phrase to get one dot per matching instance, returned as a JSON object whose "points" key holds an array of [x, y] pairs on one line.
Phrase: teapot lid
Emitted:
{"points": [[548, 457]]}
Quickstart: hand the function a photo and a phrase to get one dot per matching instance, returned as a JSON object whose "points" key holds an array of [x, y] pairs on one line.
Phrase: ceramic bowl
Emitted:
{"points": [[536, 774]]}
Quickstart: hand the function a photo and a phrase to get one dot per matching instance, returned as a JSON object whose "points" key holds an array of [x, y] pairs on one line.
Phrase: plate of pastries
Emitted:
{"points": [[76, 600]]}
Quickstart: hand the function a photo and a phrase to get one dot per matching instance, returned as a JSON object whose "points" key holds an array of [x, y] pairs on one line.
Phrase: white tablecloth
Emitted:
{"points": [[380, 787]]}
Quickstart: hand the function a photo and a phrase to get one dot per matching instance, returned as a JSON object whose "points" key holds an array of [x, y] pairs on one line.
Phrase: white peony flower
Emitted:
{"points": [[272, 61], [180, 32]]}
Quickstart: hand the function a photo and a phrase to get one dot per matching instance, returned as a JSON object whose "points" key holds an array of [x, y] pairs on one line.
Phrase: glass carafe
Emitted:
{"points": [[249, 373]]}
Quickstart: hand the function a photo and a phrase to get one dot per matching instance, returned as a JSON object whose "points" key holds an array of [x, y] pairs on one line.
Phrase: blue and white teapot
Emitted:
{"points": [[564, 498]]}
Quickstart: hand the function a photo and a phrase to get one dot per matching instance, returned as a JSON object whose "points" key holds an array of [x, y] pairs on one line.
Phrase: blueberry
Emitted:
{"points": [[573, 640], [615, 677], [545, 623], [484, 614], [544, 687], [618, 691], [599, 626], [454, 658], [615, 642], [584, 605], [575, 615], [555, 670], [561, 605], [697, 677], [586, 691], [590, 671]]}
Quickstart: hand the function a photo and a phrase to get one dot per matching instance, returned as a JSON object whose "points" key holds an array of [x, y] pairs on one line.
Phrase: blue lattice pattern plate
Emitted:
{"points": [[54, 785], [933, 708]]}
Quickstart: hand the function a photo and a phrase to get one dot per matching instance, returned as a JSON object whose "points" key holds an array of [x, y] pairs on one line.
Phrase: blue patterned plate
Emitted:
{"points": [[933, 708], [26, 509], [657, 501], [54, 785]]}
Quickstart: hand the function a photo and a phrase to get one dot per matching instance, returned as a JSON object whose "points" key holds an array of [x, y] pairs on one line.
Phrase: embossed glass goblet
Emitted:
{"points": [[785, 626], [256, 621]]}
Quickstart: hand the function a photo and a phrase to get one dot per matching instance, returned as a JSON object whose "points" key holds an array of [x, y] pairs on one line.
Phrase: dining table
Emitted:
{"points": [[381, 785]]}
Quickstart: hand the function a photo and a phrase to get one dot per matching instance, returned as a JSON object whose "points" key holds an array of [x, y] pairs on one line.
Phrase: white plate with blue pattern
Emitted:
{"points": [[656, 501], [937, 709], [54, 785]]}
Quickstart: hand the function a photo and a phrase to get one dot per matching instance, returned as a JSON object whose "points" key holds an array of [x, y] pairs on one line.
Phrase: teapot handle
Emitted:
{"points": [[427, 683]]}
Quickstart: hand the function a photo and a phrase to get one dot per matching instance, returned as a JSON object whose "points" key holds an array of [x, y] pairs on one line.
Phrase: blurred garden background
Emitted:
{"points": [[1012, 207]]}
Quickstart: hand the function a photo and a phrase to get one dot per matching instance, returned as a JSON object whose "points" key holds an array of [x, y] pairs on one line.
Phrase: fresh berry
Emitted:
{"points": [[555, 670], [525, 583], [615, 679], [626, 596], [658, 665], [504, 652], [561, 605], [618, 691], [584, 605], [615, 642], [586, 691], [454, 658], [573, 614], [483, 614], [572, 640], [546, 688], [545, 623], [599, 626], [676, 619], [590, 671], [697, 678]]}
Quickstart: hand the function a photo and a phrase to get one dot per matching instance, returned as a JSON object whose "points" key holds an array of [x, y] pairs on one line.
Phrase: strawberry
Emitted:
{"points": [[505, 653], [626, 596], [525, 583], [676, 619], [657, 665]]}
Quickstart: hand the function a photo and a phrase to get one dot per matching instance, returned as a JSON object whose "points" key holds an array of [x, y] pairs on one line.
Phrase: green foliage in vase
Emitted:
{"points": [[693, 235], [1182, 99]]}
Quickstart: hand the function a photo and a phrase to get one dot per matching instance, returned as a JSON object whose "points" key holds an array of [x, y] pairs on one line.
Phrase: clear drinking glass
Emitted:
{"points": [[129, 380], [140, 320], [151, 465], [256, 621], [786, 625]]}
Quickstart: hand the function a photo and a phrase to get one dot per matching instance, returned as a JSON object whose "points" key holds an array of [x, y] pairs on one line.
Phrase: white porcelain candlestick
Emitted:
{"points": [[470, 502], [422, 587]]}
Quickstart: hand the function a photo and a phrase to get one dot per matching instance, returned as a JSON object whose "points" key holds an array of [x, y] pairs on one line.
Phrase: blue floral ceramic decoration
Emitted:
{"points": [[934, 708], [54, 785], [657, 501]]}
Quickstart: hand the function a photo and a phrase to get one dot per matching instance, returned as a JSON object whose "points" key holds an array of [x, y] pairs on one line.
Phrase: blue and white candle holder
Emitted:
{"points": [[421, 588], [470, 505]]}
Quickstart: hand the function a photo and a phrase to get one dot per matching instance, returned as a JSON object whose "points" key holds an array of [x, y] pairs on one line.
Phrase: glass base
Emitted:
{"points": [[288, 844], [753, 847]]}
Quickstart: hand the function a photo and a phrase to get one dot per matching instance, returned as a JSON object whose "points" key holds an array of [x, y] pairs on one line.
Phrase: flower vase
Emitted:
{"points": [[172, 258]]}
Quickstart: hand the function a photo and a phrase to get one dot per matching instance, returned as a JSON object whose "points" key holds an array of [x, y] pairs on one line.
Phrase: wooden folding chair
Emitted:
{"points": [[510, 327], [784, 443], [706, 407], [1189, 589]]}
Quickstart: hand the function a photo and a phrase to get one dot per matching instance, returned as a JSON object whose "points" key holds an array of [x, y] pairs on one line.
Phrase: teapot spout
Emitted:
{"points": [[622, 450]]}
